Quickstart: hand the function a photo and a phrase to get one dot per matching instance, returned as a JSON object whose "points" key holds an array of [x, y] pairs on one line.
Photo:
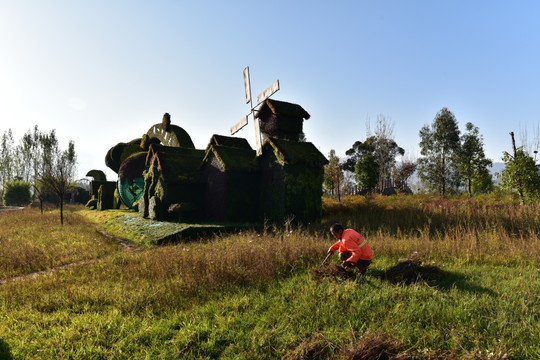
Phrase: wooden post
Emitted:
{"points": [[520, 188], [513, 144]]}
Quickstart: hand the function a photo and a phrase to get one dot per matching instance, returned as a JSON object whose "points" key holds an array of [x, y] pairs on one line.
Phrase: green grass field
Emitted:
{"points": [[72, 293]]}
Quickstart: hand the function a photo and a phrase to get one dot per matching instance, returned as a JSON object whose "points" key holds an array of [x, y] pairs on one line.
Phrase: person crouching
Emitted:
{"points": [[354, 251]]}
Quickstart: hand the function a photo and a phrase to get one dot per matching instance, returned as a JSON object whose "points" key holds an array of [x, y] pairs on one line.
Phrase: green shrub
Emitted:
{"points": [[17, 193]]}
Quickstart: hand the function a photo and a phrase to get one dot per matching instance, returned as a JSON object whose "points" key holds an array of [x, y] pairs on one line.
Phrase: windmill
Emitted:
{"points": [[269, 91]]}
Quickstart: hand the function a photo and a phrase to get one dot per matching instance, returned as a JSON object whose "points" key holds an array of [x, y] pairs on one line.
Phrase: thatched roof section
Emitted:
{"points": [[287, 109], [173, 136], [229, 141], [232, 158], [174, 161], [294, 152]]}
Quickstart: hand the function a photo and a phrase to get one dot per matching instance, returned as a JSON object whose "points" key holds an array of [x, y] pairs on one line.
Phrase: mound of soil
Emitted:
{"points": [[412, 271], [333, 272]]}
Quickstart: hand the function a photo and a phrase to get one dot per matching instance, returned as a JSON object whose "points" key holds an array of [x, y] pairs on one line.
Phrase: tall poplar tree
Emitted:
{"points": [[6, 158], [440, 147]]}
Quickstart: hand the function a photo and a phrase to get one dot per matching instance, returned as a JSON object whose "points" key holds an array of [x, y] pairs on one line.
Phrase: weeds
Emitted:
{"points": [[473, 295]]}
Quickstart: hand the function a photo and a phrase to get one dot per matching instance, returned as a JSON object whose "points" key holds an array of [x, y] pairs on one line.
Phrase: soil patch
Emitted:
{"points": [[412, 271], [333, 272]]}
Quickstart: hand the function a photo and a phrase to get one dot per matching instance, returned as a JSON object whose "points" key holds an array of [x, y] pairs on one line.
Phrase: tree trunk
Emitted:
{"points": [[443, 175], [520, 189]]}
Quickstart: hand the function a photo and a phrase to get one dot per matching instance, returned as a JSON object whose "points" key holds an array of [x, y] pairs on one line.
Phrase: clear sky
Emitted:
{"points": [[102, 72]]}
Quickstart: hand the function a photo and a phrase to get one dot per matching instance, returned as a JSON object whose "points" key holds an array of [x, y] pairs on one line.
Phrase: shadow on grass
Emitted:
{"points": [[5, 353], [412, 271], [408, 272]]}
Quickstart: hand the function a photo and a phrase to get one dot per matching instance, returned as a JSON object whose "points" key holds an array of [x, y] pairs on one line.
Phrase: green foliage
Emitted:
{"points": [[333, 174], [374, 160], [251, 295], [520, 175], [440, 147], [482, 182], [6, 157], [472, 162], [17, 193], [367, 171]]}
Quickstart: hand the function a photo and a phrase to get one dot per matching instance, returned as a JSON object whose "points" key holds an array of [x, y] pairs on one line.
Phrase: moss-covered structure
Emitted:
{"points": [[163, 176], [101, 191], [230, 170], [281, 120], [173, 181]]}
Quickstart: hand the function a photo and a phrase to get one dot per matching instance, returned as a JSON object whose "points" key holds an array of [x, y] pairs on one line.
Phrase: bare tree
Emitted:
{"points": [[57, 168]]}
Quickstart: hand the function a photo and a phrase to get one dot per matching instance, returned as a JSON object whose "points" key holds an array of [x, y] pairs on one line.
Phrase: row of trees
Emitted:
{"points": [[451, 162], [373, 163], [38, 160]]}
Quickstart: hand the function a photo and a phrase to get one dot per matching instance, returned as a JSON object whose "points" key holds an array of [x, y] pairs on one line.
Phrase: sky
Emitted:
{"points": [[102, 72]]}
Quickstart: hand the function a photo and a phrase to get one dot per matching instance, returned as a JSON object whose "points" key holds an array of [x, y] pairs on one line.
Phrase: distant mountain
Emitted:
{"points": [[496, 168]]}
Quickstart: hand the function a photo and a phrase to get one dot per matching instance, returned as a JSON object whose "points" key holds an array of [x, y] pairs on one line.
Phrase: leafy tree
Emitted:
{"points": [[386, 151], [440, 146], [333, 174], [26, 151], [482, 182], [367, 171], [17, 193], [374, 159], [473, 164], [6, 158], [520, 174]]}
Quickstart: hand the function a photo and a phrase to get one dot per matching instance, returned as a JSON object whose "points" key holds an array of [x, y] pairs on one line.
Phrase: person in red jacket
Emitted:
{"points": [[353, 248]]}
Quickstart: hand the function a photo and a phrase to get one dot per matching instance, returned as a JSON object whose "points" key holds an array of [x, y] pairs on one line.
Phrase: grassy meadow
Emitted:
{"points": [[69, 292]]}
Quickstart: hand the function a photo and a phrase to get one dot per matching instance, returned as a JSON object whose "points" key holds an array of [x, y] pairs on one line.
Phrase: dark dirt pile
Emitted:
{"points": [[333, 272], [412, 271]]}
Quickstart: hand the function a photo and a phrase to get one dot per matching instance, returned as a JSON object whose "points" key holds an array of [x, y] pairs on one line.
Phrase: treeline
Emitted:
{"points": [[36, 162], [452, 163]]}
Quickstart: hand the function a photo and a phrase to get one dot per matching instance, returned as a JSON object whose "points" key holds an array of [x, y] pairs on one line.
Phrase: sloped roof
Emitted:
{"points": [[174, 160], [232, 158], [282, 108], [294, 152], [229, 141]]}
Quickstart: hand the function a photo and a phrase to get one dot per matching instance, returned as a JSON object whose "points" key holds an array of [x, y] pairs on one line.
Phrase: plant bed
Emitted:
{"points": [[128, 225]]}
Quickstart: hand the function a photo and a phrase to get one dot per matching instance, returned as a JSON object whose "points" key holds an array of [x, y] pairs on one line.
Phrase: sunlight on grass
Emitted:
{"points": [[251, 294]]}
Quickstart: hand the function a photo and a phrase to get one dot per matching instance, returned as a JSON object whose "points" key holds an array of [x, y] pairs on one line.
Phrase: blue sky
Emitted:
{"points": [[102, 72]]}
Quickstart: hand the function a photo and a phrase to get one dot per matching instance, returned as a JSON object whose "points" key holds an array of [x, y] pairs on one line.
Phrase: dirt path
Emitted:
{"points": [[125, 244]]}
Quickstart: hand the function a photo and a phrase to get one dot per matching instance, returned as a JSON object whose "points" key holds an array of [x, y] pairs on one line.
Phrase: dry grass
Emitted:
{"points": [[30, 241]]}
